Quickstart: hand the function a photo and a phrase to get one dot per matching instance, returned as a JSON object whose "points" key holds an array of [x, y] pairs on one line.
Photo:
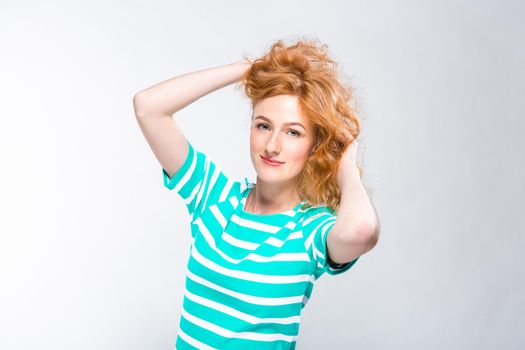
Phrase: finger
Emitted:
{"points": [[348, 135]]}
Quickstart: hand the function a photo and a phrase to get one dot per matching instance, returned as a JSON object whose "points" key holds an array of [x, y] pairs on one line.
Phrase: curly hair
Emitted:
{"points": [[305, 70]]}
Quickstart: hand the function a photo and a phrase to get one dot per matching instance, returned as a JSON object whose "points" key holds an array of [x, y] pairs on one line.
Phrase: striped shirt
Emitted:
{"points": [[248, 275]]}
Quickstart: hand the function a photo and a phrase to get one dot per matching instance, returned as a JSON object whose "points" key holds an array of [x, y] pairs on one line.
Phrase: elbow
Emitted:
{"points": [[370, 235], [365, 236], [139, 105]]}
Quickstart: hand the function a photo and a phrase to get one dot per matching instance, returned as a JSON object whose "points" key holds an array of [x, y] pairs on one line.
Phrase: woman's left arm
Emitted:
{"points": [[356, 211], [356, 229]]}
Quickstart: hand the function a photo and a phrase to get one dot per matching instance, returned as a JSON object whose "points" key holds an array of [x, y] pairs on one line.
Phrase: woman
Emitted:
{"points": [[257, 248]]}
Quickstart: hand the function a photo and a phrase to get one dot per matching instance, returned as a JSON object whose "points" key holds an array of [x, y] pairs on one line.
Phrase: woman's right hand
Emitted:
{"points": [[245, 64]]}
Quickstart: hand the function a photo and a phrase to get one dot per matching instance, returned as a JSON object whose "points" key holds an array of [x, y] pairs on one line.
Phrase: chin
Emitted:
{"points": [[269, 177], [274, 178]]}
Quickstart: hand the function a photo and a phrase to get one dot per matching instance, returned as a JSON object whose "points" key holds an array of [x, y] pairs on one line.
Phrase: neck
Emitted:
{"points": [[268, 199]]}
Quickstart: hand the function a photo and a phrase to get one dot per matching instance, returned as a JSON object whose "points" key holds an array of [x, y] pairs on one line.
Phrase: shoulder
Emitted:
{"points": [[317, 213]]}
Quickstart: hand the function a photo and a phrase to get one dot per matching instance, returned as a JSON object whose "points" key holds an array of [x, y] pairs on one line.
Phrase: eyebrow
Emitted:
{"points": [[290, 123]]}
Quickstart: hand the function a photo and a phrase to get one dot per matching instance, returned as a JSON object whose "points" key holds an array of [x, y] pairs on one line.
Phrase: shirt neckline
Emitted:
{"points": [[240, 208]]}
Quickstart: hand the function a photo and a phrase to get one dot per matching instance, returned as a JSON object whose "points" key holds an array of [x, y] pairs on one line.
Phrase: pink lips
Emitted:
{"points": [[270, 162]]}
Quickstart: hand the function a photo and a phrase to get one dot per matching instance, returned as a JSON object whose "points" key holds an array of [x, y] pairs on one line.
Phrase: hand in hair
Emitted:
{"points": [[348, 163]]}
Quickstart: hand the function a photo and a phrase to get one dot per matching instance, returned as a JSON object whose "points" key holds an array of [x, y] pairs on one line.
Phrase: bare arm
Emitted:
{"points": [[170, 96], [356, 229], [155, 106]]}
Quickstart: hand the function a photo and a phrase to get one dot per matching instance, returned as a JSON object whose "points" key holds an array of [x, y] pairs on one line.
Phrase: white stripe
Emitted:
{"points": [[204, 179], [305, 300], [290, 213], [194, 342], [255, 225], [212, 182], [234, 201], [193, 194], [226, 190], [218, 216], [245, 297], [238, 242], [238, 314], [188, 174], [310, 238], [317, 253], [313, 217], [324, 234], [295, 235], [291, 257], [269, 337], [274, 241], [290, 225]]}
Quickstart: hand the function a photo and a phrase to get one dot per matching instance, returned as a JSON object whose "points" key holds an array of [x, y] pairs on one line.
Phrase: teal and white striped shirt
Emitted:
{"points": [[248, 275]]}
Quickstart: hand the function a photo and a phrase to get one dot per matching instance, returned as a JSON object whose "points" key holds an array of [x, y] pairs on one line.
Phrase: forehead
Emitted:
{"points": [[280, 109]]}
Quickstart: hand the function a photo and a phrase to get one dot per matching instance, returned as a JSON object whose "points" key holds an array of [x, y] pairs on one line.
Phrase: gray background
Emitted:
{"points": [[93, 248]]}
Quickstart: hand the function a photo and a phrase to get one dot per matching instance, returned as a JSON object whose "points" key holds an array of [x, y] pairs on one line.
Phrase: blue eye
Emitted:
{"points": [[297, 134]]}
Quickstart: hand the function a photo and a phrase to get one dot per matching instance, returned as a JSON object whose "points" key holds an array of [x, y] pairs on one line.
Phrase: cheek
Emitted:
{"points": [[300, 152], [255, 141], [255, 146]]}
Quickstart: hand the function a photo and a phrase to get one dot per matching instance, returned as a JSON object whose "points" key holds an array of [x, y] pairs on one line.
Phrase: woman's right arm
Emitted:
{"points": [[155, 106]]}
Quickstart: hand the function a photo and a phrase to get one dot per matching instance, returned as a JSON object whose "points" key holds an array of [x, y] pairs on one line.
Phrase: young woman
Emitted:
{"points": [[257, 248]]}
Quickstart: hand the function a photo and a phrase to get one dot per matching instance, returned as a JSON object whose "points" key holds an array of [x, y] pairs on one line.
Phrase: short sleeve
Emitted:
{"points": [[315, 231], [199, 181]]}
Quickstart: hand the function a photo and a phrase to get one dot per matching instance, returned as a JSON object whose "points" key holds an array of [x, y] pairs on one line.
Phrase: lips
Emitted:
{"points": [[272, 161]]}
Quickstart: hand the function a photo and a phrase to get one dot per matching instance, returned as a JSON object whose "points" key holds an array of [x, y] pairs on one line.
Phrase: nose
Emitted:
{"points": [[273, 146]]}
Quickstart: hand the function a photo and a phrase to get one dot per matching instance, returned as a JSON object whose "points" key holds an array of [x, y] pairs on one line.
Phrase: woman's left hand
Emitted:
{"points": [[348, 163]]}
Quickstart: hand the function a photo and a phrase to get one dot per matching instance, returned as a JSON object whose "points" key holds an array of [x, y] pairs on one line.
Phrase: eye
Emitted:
{"points": [[297, 133], [262, 124]]}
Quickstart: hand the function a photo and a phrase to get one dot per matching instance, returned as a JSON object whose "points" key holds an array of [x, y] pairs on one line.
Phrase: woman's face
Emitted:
{"points": [[280, 132]]}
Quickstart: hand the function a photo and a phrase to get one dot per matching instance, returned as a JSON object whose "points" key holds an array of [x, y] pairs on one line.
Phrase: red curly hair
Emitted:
{"points": [[305, 70]]}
